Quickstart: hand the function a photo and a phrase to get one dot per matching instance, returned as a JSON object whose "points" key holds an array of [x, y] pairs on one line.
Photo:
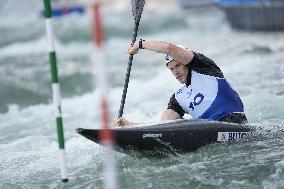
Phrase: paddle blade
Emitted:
{"points": [[137, 8]]}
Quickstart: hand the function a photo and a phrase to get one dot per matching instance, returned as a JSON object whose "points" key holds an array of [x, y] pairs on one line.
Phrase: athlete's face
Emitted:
{"points": [[179, 70]]}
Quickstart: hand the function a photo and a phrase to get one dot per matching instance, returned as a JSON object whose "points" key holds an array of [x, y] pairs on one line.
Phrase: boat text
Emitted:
{"points": [[152, 135], [229, 136]]}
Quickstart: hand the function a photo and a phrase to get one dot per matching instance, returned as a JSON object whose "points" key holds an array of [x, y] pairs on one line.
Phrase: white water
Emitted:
{"points": [[252, 62]]}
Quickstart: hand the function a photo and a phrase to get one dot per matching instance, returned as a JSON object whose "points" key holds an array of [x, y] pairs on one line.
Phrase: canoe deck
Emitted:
{"points": [[180, 136]]}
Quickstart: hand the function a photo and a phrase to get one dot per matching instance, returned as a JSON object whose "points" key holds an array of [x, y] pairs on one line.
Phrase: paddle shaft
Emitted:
{"points": [[126, 81]]}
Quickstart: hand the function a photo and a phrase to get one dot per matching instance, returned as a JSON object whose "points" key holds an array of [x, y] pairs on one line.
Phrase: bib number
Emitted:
{"points": [[196, 101]]}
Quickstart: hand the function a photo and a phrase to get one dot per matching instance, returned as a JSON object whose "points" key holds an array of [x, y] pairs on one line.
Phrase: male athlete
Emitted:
{"points": [[204, 94]]}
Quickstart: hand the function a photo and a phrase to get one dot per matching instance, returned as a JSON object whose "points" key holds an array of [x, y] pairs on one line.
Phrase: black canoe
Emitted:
{"points": [[179, 136]]}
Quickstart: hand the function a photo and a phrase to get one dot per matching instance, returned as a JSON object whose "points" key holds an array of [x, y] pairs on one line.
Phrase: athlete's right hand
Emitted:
{"points": [[120, 122]]}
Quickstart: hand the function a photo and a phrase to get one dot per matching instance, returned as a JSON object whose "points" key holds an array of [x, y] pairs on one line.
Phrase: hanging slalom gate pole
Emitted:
{"points": [[55, 90], [106, 136]]}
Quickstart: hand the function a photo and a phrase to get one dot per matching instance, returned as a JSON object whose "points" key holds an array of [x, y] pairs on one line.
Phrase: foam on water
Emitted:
{"points": [[33, 148], [28, 142], [275, 180]]}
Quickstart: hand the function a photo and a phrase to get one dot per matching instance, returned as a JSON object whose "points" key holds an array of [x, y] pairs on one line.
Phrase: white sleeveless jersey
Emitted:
{"points": [[208, 97]]}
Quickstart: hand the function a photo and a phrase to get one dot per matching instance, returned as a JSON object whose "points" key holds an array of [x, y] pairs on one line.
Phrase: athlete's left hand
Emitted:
{"points": [[121, 122], [133, 49]]}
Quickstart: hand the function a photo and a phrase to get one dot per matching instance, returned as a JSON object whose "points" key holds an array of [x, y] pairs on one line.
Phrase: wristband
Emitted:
{"points": [[140, 43]]}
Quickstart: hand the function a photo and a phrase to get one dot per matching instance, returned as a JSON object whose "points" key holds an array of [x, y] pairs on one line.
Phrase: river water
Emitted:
{"points": [[252, 61]]}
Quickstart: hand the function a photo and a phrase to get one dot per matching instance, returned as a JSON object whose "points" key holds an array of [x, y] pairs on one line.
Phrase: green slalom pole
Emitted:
{"points": [[55, 89]]}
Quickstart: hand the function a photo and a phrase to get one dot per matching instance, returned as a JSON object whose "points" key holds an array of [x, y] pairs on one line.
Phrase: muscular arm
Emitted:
{"points": [[169, 114], [179, 54]]}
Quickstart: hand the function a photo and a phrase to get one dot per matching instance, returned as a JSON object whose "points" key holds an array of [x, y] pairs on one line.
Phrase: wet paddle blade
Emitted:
{"points": [[137, 9]]}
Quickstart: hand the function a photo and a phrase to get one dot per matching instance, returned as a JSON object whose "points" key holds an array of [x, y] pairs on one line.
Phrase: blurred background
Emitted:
{"points": [[244, 37]]}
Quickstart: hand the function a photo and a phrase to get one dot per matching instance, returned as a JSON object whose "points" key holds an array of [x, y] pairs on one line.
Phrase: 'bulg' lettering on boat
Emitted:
{"points": [[229, 136]]}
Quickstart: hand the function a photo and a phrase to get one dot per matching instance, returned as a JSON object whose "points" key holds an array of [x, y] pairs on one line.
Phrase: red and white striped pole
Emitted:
{"points": [[106, 136]]}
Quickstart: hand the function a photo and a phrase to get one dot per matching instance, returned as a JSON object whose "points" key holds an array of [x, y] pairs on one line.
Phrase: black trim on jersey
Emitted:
{"points": [[203, 65], [200, 64], [174, 105]]}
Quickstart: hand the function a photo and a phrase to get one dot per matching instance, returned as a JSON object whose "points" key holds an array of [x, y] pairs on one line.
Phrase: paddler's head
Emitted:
{"points": [[178, 69]]}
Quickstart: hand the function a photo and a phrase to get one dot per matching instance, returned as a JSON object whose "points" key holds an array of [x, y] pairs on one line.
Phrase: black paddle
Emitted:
{"points": [[137, 9]]}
